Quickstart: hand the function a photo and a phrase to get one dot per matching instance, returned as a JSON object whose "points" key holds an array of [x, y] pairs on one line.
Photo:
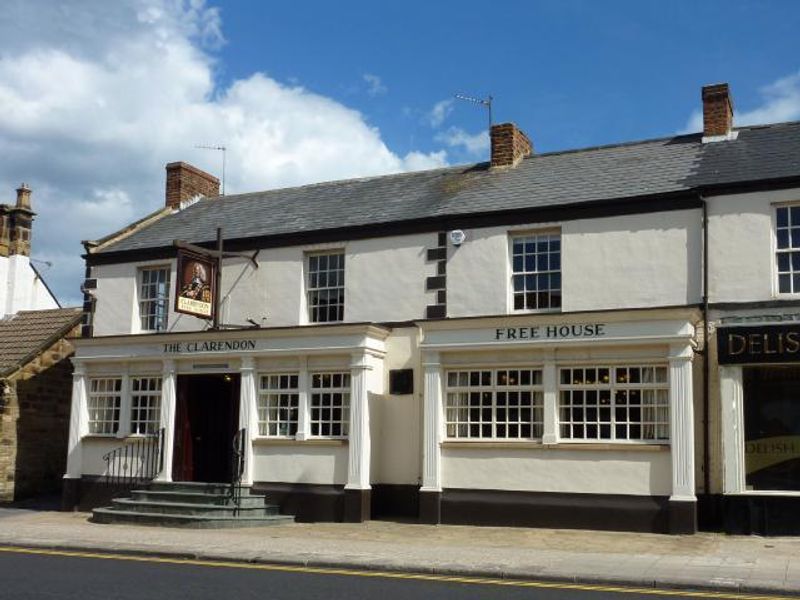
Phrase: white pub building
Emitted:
{"points": [[529, 341]]}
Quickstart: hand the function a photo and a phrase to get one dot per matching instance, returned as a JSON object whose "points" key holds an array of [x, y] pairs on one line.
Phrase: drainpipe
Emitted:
{"points": [[706, 358]]}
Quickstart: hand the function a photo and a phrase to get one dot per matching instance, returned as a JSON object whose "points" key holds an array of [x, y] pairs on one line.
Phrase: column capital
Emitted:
{"points": [[358, 360], [247, 363], [78, 368], [680, 352], [431, 359], [168, 366]]}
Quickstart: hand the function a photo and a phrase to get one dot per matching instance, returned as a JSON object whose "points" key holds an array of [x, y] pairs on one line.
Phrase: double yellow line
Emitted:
{"points": [[392, 575]]}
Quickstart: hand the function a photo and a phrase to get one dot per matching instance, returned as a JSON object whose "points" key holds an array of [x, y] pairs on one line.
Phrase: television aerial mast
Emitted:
{"points": [[487, 102], [222, 149]]}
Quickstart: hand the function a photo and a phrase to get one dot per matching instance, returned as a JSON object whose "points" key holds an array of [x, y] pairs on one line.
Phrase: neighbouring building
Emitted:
{"points": [[519, 342], [35, 372]]}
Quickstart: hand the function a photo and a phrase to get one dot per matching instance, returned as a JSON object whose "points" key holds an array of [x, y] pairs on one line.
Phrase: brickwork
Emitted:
{"points": [[717, 110], [509, 145], [34, 424], [185, 181]]}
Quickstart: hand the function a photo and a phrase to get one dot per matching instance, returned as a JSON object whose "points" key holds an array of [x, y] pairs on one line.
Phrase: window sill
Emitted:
{"points": [[267, 441], [522, 444]]}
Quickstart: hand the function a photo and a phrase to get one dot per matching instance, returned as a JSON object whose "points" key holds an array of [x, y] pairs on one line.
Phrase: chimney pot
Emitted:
{"points": [[509, 145], [24, 196], [717, 110], [185, 181]]}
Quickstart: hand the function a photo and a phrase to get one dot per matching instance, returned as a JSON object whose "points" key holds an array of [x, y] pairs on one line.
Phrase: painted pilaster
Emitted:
{"points": [[168, 397], [732, 397], [124, 429], [550, 384], [683, 517], [248, 414], [303, 400], [78, 421], [357, 490], [433, 433], [359, 442]]}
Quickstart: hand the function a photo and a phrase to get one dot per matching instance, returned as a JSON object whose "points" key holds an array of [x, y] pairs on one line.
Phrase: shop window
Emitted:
{"points": [[278, 401], [153, 298], [614, 403], [494, 404], [787, 234], [145, 405], [772, 428], [326, 287], [330, 404], [536, 271], [103, 403]]}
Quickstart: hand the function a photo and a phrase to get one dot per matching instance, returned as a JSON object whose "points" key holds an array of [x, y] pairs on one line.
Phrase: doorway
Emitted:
{"points": [[206, 420]]}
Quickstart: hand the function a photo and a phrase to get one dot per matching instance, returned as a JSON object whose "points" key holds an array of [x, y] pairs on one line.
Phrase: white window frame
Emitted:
{"points": [[777, 251], [346, 391], [116, 424], [268, 393], [456, 384], [141, 300], [152, 408], [517, 235], [612, 386], [312, 289]]}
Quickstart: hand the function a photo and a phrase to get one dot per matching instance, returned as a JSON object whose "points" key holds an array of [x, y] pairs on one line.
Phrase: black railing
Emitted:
{"points": [[135, 463], [237, 469]]}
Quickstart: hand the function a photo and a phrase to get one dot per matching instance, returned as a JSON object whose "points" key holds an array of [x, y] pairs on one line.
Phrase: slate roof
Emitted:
{"points": [[28, 332], [662, 166]]}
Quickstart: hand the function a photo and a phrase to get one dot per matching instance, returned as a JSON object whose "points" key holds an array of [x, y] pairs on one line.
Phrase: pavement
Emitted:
{"points": [[702, 561]]}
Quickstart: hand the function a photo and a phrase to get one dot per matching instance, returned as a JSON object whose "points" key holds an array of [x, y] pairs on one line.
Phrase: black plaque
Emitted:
{"points": [[758, 344]]}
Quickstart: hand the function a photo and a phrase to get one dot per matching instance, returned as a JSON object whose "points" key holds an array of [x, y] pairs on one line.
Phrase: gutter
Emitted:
{"points": [[706, 356]]}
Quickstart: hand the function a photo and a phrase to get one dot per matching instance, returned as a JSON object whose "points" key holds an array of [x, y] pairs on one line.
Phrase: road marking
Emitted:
{"points": [[394, 575]]}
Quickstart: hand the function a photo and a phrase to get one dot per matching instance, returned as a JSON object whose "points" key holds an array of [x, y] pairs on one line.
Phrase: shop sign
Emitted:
{"points": [[196, 277], [549, 332], [762, 344], [209, 346]]}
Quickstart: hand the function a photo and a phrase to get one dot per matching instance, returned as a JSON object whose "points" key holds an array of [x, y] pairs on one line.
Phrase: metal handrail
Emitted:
{"points": [[237, 469], [135, 463]]}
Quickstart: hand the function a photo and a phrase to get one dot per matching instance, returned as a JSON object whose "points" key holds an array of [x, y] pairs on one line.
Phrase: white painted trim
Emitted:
{"points": [[433, 423], [731, 401], [168, 399], [303, 401], [248, 414], [359, 447], [682, 423], [78, 421], [550, 395]]}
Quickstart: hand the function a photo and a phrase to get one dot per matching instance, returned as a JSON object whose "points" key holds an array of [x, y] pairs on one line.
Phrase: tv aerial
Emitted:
{"points": [[486, 102], [222, 149]]}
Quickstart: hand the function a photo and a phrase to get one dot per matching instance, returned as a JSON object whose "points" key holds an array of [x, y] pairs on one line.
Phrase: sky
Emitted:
{"points": [[96, 96]]}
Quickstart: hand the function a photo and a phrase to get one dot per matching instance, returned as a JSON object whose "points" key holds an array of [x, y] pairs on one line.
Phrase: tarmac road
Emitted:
{"points": [[44, 574]]}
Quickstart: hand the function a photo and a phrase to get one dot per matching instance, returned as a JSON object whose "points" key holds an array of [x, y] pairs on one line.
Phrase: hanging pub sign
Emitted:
{"points": [[195, 285], [758, 344]]}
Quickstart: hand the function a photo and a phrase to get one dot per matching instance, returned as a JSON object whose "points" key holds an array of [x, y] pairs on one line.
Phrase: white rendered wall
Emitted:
{"points": [[611, 263], [742, 245], [300, 463], [23, 289], [638, 473], [396, 440]]}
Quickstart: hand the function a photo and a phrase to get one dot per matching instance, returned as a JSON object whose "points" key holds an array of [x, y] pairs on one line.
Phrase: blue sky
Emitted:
{"points": [[96, 96]]}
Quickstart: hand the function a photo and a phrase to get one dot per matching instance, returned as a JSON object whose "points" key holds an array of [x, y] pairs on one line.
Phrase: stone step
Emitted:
{"points": [[110, 515], [196, 487], [183, 497], [193, 508]]}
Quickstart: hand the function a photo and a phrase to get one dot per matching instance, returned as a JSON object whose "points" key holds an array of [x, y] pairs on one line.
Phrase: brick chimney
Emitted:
{"points": [[509, 145], [717, 110], [185, 181], [20, 223]]}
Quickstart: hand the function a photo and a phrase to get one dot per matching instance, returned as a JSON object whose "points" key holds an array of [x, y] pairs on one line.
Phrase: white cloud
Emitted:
{"points": [[375, 85], [473, 143], [780, 101], [440, 111], [96, 97]]}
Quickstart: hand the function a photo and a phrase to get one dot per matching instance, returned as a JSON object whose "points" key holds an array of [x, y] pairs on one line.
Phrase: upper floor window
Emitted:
{"points": [[536, 267], [326, 287], [788, 249], [154, 298]]}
